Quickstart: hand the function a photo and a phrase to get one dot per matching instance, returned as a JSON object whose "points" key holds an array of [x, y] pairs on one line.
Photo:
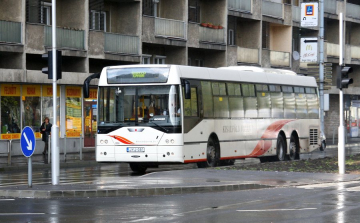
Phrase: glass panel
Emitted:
{"points": [[248, 90], [221, 107], [274, 88], [287, 89], [90, 118], [250, 107], [10, 111], [301, 107], [31, 113], [73, 111], [207, 99], [138, 75], [155, 106], [236, 106], [277, 105], [289, 105], [190, 105], [312, 105], [215, 88], [47, 104], [233, 89]]}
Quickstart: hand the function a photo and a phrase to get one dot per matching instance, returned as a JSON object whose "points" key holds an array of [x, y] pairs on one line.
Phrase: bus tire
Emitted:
{"points": [[280, 148], [212, 155], [138, 167], [294, 148], [323, 146]]}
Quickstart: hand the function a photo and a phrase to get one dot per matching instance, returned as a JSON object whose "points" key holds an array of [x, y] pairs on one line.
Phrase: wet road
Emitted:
{"points": [[312, 203]]}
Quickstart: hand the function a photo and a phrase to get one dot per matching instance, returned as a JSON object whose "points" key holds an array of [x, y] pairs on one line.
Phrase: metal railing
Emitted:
{"points": [[353, 11], [239, 5], [170, 28], [332, 49], [10, 32], [247, 55], [355, 52], [330, 6], [121, 43], [66, 38], [278, 58], [272, 9], [212, 35], [296, 14]]}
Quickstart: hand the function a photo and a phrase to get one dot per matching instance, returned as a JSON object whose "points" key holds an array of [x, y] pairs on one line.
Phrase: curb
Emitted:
{"points": [[47, 194], [346, 145]]}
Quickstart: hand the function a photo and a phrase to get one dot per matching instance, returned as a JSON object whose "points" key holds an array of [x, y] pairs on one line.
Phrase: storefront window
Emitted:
{"points": [[47, 104], [31, 107], [10, 111], [73, 111]]}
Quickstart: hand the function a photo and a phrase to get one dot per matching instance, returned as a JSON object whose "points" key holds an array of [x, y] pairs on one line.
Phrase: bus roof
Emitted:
{"points": [[245, 74]]}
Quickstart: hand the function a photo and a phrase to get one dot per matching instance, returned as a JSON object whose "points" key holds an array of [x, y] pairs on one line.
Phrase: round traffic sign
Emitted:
{"points": [[27, 141]]}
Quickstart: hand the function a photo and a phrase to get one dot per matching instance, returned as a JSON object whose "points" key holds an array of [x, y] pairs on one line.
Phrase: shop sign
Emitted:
{"points": [[48, 91], [73, 92], [10, 90]]}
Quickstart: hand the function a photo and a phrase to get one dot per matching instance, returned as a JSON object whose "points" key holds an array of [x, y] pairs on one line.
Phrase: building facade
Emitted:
{"points": [[93, 34]]}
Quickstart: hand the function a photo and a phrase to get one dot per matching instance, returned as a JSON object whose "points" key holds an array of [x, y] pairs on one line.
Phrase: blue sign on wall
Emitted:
{"points": [[27, 141]]}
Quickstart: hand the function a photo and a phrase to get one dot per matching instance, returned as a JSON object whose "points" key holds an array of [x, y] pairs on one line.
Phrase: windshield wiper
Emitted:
{"points": [[159, 126]]}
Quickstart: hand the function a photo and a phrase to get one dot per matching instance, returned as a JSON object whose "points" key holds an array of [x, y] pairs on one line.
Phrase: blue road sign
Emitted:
{"points": [[27, 141]]}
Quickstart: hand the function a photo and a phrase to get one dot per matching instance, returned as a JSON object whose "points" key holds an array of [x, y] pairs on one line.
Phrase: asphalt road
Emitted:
{"points": [[313, 203]]}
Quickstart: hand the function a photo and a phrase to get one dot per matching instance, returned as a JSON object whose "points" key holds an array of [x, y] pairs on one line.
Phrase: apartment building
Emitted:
{"points": [[95, 33]]}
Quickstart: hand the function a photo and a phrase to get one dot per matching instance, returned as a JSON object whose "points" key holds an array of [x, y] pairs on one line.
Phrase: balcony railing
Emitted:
{"points": [[121, 43], [355, 52], [330, 6], [10, 32], [66, 38], [212, 35], [279, 58], [272, 9], [247, 55], [333, 49], [296, 14], [353, 11], [170, 28], [239, 5]]}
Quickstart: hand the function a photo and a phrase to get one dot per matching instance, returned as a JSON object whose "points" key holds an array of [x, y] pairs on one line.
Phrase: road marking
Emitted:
{"points": [[144, 219], [300, 209], [324, 185], [7, 199], [353, 189], [1, 214]]}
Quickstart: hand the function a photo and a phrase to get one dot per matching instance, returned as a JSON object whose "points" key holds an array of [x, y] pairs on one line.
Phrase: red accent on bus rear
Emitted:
{"points": [[122, 140], [195, 161]]}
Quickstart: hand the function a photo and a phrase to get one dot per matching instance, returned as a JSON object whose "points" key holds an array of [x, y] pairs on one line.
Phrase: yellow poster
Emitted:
{"points": [[93, 93], [10, 90], [10, 136], [73, 92], [31, 91]]}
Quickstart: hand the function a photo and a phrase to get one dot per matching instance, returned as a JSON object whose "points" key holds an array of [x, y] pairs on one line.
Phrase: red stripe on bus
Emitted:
{"points": [[122, 139], [271, 132], [195, 161]]}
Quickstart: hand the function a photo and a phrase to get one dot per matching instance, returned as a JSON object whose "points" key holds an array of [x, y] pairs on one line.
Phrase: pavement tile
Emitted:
{"points": [[56, 194]]}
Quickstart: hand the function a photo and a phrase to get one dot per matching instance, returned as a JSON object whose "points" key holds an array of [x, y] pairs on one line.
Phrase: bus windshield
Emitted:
{"points": [[154, 106]]}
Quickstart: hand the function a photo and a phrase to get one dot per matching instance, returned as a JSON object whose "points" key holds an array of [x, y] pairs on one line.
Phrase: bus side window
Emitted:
{"points": [[289, 102], [312, 103], [263, 101], [221, 101], [250, 101], [277, 102], [236, 101], [208, 109], [300, 101], [191, 105]]}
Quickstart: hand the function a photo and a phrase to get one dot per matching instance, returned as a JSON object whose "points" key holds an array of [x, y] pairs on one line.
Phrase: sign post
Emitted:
{"points": [[27, 143]]}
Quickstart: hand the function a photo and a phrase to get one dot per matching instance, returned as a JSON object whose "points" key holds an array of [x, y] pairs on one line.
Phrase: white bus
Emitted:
{"points": [[161, 114]]}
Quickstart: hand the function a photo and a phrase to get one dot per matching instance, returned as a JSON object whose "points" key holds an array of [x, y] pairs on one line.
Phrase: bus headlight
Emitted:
{"points": [[106, 141], [167, 141], [101, 141], [172, 141]]}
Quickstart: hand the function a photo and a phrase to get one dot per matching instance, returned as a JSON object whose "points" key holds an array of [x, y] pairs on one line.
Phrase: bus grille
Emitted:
{"points": [[313, 136]]}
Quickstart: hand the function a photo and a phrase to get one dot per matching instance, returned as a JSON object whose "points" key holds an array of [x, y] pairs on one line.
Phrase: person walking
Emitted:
{"points": [[45, 130]]}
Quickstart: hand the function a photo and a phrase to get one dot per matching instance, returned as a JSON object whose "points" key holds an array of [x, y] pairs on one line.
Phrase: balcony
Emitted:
{"points": [[10, 32], [272, 9], [170, 28], [353, 11], [66, 38], [123, 44], [332, 50], [330, 6], [239, 5], [247, 55], [355, 52], [212, 35], [296, 14], [278, 58]]}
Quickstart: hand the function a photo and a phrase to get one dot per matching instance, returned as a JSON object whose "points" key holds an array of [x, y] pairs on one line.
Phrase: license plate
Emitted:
{"points": [[135, 149]]}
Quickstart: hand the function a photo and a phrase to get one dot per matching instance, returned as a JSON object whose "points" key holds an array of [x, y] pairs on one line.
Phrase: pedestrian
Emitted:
{"points": [[45, 130]]}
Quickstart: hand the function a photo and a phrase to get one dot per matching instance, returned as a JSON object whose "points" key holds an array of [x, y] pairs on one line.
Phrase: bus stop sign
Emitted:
{"points": [[27, 141]]}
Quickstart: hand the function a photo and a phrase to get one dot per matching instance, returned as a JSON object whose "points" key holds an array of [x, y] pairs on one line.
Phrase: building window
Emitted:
{"points": [[189, 61], [231, 37], [194, 11], [149, 7], [46, 13], [97, 20], [146, 59], [159, 60], [266, 35]]}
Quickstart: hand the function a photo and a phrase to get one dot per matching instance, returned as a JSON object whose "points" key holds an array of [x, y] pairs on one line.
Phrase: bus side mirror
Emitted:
{"points": [[86, 89], [187, 89]]}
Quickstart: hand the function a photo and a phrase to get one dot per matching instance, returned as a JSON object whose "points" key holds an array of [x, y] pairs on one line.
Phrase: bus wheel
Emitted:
{"points": [[294, 148], [280, 148], [323, 146], [212, 155], [138, 167]]}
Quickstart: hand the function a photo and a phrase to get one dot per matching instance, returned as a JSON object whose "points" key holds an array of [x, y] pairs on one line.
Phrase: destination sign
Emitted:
{"points": [[138, 75]]}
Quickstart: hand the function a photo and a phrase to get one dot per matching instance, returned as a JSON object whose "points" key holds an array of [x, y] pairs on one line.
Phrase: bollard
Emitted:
{"points": [[9, 151], [80, 146], [49, 149], [65, 144]]}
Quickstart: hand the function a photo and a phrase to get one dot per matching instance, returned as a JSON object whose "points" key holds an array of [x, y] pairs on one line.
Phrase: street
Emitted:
{"points": [[324, 203]]}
